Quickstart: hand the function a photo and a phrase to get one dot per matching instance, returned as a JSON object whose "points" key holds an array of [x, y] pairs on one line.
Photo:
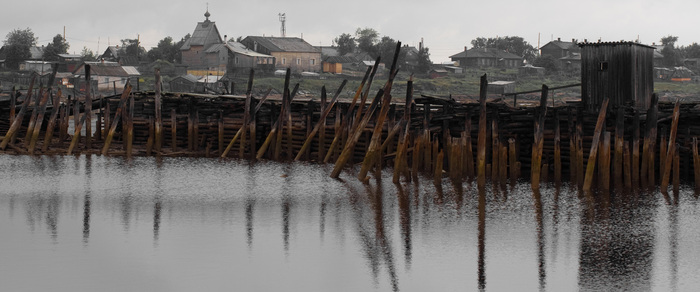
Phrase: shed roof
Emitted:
{"points": [[284, 44], [485, 53], [239, 48], [103, 69]]}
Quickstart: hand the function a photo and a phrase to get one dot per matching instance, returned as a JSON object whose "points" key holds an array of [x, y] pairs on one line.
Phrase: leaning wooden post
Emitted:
{"points": [[495, 148], [221, 131], [538, 145], [437, 176], [246, 114], [322, 131], [604, 168], [670, 154], [32, 119], [572, 147], [322, 121], [52, 121], [635, 151], [374, 153], [158, 104], [274, 129], [17, 122], [117, 115], [87, 108], [590, 166], [647, 168], [13, 104], [39, 120], [481, 142]]}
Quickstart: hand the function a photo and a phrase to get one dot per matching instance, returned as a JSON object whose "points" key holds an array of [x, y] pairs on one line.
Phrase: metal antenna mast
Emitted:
{"points": [[283, 29]]}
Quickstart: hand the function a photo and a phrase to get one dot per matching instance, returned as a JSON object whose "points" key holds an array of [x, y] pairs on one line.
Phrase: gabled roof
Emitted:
{"points": [[239, 48], [485, 53], [340, 59], [205, 34], [562, 45], [284, 44], [102, 69]]}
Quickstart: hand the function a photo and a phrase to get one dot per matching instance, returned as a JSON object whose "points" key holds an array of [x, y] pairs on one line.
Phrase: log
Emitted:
{"points": [[322, 121], [590, 166], [17, 122], [671, 152], [481, 143], [117, 115]]}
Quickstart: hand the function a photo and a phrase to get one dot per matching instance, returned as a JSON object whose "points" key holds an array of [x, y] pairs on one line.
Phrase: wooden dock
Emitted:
{"points": [[488, 139]]}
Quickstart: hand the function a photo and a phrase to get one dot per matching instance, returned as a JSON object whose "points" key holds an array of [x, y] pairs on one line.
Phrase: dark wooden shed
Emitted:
{"points": [[622, 71]]}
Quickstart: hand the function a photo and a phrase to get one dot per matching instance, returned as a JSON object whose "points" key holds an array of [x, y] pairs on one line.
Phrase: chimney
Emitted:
{"points": [[465, 48], [559, 39]]}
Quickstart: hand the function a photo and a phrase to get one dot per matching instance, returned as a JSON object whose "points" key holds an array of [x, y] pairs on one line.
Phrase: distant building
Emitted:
{"points": [[106, 76], [560, 49], [289, 52], [486, 57]]}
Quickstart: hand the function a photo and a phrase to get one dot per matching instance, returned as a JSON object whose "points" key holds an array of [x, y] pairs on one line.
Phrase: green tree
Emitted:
{"points": [[386, 48], [672, 57], [166, 50], [346, 44], [424, 62], [548, 62], [131, 47], [57, 46], [88, 55], [17, 45], [513, 44], [366, 40], [691, 51]]}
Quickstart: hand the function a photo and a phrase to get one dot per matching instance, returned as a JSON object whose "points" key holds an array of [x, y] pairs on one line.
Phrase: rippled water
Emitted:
{"points": [[93, 223]]}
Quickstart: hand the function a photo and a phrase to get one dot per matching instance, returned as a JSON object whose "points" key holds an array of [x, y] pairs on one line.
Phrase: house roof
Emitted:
{"points": [[239, 48], [485, 53], [561, 45], [205, 34], [131, 70], [189, 77], [329, 51], [103, 69], [284, 44], [340, 59]]}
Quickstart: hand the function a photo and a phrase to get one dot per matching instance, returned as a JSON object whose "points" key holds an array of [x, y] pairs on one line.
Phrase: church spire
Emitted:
{"points": [[206, 14]]}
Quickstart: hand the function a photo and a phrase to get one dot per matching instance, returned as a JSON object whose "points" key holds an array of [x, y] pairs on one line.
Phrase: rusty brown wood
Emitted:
{"points": [[17, 122], [537, 147], [52, 121], [87, 108], [671, 152], [158, 135], [173, 129], [117, 115], [322, 121], [590, 165], [481, 143], [39, 120]]}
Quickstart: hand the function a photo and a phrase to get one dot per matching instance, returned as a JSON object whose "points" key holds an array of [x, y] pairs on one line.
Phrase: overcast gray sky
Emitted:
{"points": [[446, 25]]}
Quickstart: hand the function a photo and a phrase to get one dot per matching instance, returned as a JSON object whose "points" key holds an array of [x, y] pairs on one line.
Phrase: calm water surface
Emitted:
{"points": [[93, 223]]}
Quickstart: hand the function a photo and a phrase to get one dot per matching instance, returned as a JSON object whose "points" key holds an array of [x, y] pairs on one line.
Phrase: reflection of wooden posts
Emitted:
{"points": [[173, 129], [437, 177], [671, 152], [627, 167], [87, 107], [481, 143], [557, 148], [117, 115], [592, 156], [538, 145], [159, 115]]}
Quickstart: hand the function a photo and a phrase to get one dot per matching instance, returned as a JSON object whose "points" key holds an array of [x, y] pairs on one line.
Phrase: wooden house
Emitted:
{"points": [[107, 76], [184, 83], [289, 52], [621, 71], [560, 49], [486, 57], [196, 51]]}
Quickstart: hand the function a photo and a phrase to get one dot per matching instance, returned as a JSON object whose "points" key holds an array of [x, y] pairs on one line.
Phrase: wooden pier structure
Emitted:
{"points": [[592, 147]]}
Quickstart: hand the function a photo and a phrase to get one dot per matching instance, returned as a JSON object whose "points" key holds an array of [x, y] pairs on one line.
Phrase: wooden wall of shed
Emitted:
{"points": [[628, 79]]}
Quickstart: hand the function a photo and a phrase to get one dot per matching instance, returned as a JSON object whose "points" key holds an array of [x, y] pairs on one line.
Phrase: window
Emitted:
{"points": [[298, 61], [235, 60], [313, 61], [284, 61], [604, 66]]}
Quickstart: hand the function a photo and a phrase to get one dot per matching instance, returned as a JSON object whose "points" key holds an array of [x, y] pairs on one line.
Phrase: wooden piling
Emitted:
{"points": [[437, 176], [130, 129], [87, 108], [117, 115], [17, 122], [495, 151], [173, 129], [538, 145], [52, 121], [557, 148], [671, 152], [590, 165], [619, 145], [627, 168], [696, 165], [635, 150], [604, 168], [481, 143], [39, 121], [158, 135], [322, 121]]}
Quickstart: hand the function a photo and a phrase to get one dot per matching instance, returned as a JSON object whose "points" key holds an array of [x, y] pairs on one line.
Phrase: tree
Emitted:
{"points": [[366, 40], [548, 62], [166, 50], [57, 46], [88, 55], [386, 48], [17, 45], [130, 47], [423, 60], [346, 44], [672, 57], [691, 51], [513, 44]]}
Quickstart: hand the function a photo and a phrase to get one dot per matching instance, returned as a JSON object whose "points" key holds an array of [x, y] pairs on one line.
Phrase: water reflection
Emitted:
{"points": [[195, 223]]}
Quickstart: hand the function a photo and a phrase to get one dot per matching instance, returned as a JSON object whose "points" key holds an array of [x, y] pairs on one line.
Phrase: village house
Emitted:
{"points": [[289, 52], [205, 53], [486, 57], [567, 53], [106, 76]]}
